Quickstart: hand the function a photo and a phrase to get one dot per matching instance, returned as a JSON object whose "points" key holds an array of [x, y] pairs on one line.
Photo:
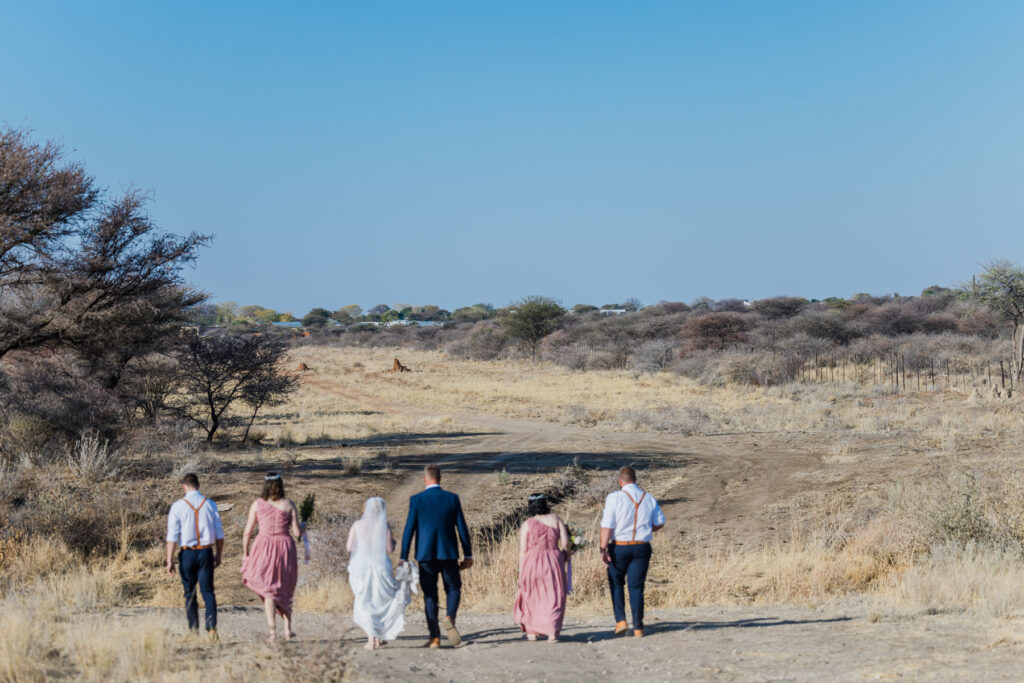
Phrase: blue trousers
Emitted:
{"points": [[449, 571], [629, 566], [196, 567]]}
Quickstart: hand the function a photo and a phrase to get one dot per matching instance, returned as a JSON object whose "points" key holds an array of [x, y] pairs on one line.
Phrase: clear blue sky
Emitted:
{"points": [[455, 152]]}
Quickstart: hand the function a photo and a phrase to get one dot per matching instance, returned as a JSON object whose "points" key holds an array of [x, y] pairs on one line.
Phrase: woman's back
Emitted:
{"points": [[540, 602], [273, 520], [540, 536], [379, 605]]}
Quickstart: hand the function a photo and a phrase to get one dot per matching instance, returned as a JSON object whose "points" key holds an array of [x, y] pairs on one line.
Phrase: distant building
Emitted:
{"points": [[612, 311]]}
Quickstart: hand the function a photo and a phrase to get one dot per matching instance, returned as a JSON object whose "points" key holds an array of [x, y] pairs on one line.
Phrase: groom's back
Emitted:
{"points": [[437, 513]]}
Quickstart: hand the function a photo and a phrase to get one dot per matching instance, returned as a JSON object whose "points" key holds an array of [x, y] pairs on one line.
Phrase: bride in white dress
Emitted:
{"points": [[380, 597]]}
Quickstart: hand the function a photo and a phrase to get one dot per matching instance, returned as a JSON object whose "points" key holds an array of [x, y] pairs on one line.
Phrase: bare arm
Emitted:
{"points": [[391, 541], [606, 537], [657, 527], [170, 556], [522, 546], [250, 524], [563, 535], [351, 538], [296, 529]]}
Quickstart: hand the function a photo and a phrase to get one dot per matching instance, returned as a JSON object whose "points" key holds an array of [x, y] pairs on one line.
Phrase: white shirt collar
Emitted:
{"points": [[431, 486], [190, 494]]}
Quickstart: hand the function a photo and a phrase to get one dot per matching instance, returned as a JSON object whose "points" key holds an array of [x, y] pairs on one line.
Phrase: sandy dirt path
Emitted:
{"points": [[742, 644]]}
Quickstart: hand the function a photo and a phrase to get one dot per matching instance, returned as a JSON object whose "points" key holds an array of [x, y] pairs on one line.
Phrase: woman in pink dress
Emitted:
{"points": [[270, 568], [543, 549]]}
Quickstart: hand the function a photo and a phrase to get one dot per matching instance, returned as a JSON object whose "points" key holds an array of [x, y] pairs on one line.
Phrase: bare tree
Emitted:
{"points": [[270, 386], [87, 282], [217, 371], [1000, 286]]}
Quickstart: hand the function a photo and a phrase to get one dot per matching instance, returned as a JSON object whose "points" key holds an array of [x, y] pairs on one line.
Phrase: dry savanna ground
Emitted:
{"points": [[834, 530]]}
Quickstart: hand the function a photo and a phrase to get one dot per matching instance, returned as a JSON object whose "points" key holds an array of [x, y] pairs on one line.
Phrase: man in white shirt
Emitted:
{"points": [[630, 518], [194, 524]]}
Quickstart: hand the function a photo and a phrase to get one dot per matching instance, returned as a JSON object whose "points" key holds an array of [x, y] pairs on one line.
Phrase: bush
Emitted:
{"points": [[829, 325], [532, 319], [653, 356], [715, 331], [91, 459], [485, 343], [702, 366], [762, 368], [780, 306], [687, 420]]}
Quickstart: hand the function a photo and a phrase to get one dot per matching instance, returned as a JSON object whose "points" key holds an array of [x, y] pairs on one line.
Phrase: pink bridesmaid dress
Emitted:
{"points": [[540, 603], [272, 567]]}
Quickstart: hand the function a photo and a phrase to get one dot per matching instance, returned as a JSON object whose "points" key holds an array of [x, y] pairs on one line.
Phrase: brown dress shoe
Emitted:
{"points": [[450, 632], [620, 628], [638, 633], [433, 643]]}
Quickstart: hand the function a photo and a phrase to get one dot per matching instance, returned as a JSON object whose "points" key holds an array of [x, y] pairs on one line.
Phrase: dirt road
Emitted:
{"points": [[696, 645]]}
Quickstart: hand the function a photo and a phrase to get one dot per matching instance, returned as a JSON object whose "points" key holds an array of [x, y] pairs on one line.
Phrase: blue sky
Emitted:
{"points": [[451, 152]]}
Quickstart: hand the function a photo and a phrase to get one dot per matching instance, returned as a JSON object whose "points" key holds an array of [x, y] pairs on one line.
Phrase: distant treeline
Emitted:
{"points": [[766, 341]]}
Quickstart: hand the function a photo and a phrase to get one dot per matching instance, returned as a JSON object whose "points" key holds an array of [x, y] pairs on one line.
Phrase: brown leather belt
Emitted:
{"points": [[630, 542], [197, 547]]}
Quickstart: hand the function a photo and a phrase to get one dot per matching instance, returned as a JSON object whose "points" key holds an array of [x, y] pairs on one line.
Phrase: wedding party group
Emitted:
{"points": [[437, 526]]}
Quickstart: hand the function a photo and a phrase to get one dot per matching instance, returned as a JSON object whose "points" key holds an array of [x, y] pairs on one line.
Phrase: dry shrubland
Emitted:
{"points": [[83, 534]]}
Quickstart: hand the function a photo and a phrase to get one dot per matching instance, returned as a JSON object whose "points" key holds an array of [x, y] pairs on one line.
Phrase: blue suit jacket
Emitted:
{"points": [[434, 517]]}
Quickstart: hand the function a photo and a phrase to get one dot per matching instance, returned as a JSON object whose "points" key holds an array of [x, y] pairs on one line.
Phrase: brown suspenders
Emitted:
{"points": [[195, 511], [636, 512]]}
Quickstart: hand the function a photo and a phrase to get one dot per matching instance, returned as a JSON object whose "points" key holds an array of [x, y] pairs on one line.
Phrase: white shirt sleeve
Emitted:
{"points": [[173, 526], [658, 518], [218, 528], [608, 516]]}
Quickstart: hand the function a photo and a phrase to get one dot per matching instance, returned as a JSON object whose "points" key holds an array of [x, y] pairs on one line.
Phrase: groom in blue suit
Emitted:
{"points": [[434, 517]]}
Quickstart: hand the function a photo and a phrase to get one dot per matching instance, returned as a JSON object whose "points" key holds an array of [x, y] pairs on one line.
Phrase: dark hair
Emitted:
{"points": [[628, 475], [191, 479], [433, 473], [537, 504], [273, 487]]}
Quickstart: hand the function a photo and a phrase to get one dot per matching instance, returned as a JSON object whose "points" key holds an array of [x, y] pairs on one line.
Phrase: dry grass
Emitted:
{"points": [[616, 400]]}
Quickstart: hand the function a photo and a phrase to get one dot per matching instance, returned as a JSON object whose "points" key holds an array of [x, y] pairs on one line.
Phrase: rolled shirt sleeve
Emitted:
{"points": [[608, 516], [658, 518], [218, 527], [173, 526]]}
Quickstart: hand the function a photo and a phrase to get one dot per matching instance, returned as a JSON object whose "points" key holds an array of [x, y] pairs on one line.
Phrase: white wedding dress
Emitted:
{"points": [[380, 598]]}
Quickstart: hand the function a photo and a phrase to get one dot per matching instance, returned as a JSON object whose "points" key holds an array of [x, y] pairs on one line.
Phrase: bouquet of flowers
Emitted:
{"points": [[577, 541], [305, 513]]}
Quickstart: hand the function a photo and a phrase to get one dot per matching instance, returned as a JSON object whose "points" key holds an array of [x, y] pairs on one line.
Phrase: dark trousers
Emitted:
{"points": [[196, 567], [449, 571], [629, 566]]}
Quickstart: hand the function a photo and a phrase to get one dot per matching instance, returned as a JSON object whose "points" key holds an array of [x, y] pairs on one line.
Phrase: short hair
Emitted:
{"points": [[191, 479], [537, 504], [432, 472], [273, 487], [627, 474]]}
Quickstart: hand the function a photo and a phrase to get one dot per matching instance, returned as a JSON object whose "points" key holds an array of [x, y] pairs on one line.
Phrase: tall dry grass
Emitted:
{"points": [[617, 400]]}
